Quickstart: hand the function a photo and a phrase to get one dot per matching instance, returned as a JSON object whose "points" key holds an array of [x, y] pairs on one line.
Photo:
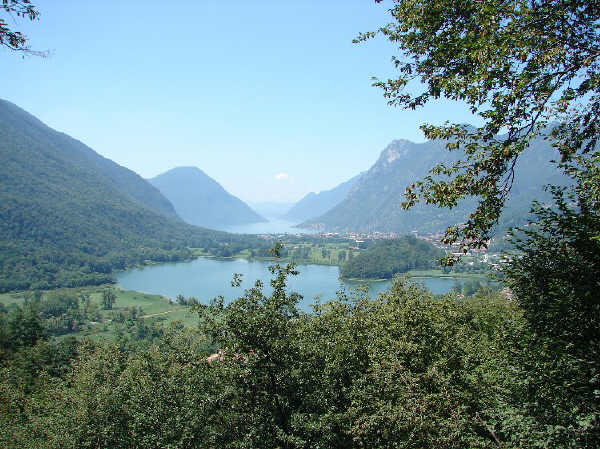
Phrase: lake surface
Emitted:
{"points": [[206, 279]]}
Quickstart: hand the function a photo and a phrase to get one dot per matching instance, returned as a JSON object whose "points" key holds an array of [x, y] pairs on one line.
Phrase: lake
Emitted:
{"points": [[273, 226], [205, 279]]}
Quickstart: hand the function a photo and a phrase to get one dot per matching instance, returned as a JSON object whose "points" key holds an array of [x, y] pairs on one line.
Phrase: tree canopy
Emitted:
{"points": [[525, 67], [385, 259], [403, 370]]}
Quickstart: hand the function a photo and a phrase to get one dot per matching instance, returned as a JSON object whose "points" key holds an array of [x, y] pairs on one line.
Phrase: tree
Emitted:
{"points": [[15, 40], [552, 272], [552, 276], [108, 299], [257, 336], [525, 67], [25, 327]]}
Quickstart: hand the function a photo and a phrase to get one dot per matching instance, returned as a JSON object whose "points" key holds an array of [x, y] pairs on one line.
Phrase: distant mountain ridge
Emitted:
{"points": [[200, 200], [315, 204], [374, 204]]}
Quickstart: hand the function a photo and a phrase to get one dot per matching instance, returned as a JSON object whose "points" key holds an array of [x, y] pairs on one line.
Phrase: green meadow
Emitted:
{"points": [[151, 308]]}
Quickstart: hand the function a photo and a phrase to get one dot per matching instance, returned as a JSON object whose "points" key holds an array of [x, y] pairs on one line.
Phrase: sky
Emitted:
{"points": [[270, 98]]}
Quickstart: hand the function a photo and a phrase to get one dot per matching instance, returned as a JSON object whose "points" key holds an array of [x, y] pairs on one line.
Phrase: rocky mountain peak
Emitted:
{"points": [[395, 150]]}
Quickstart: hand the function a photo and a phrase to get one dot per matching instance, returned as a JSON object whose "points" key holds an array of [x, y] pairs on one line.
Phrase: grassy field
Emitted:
{"points": [[150, 303], [154, 307]]}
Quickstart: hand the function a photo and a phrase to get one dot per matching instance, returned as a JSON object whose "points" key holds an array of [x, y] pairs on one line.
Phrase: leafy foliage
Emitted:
{"points": [[15, 40], [552, 272], [520, 65], [552, 277], [403, 370]]}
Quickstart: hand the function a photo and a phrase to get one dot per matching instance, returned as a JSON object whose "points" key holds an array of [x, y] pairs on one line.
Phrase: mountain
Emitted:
{"points": [[315, 204], [271, 209], [69, 217], [54, 144], [201, 201], [374, 202]]}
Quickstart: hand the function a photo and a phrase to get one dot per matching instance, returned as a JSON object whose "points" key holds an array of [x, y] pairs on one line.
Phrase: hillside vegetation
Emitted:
{"points": [[68, 217], [402, 370]]}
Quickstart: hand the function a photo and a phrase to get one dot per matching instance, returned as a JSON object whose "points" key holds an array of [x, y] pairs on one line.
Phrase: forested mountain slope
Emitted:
{"points": [[375, 201], [15, 121], [202, 201], [65, 218], [315, 204]]}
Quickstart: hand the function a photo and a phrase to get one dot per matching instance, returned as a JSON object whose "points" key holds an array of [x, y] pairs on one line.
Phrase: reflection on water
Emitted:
{"points": [[208, 278]]}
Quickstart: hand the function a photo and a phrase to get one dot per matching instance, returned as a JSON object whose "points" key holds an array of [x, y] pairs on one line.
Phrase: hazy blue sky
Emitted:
{"points": [[270, 98]]}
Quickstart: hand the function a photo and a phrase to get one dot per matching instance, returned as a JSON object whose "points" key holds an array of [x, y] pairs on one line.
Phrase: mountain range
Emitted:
{"points": [[315, 204], [69, 217], [200, 200], [374, 202]]}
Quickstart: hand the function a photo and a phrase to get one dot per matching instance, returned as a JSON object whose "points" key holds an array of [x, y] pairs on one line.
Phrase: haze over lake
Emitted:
{"points": [[273, 226], [208, 278]]}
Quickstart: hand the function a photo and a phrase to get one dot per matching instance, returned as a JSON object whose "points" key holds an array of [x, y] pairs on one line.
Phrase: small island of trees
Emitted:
{"points": [[387, 258]]}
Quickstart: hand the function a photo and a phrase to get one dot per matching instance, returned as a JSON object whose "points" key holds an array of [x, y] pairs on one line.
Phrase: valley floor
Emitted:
{"points": [[147, 307]]}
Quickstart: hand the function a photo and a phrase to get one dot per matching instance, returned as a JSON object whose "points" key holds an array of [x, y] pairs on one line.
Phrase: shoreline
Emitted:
{"points": [[415, 274], [423, 276]]}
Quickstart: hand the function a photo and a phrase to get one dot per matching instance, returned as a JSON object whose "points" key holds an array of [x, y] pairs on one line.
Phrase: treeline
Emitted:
{"points": [[385, 259], [31, 353], [235, 244], [42, 267], [60, 313], [42, 317], [473, 286], [29, 265], [90, 254]]}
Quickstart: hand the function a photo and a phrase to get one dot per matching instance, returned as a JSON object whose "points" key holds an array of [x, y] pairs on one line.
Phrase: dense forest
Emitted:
{"points": [[385, 259]]}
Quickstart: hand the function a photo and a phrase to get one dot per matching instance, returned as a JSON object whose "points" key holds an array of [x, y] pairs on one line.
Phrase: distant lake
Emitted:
{"points": [[206, 279], [273, 226]]}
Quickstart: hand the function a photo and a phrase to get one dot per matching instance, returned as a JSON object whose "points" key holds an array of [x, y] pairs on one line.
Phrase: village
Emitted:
{"points": [[473, 259]]}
